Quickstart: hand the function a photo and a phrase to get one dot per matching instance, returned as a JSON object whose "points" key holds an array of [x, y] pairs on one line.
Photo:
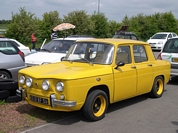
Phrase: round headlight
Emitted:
{"points": [[45, 85], [29, 82], [22, 79], [59, 86]]}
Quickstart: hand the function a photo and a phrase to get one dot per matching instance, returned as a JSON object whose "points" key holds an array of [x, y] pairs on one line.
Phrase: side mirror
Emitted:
{"points": [[121, 63], [62, 58]]}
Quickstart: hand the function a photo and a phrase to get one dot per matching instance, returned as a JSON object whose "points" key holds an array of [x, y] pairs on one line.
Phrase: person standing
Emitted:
{"points": [[54, 34], [33, 38]]}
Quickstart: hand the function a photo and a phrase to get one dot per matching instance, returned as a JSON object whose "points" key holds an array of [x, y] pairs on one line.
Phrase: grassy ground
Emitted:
{"points": [[16, 117]]}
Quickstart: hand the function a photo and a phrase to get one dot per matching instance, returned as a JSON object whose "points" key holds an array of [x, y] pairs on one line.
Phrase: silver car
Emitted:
{"points": [[170, 53], [11, 59]]}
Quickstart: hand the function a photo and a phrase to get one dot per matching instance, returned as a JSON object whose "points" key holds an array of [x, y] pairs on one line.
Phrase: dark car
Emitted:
{"points": [[122, 34]]}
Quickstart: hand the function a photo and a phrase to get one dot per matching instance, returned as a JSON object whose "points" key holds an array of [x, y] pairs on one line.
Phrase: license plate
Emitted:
{"points": [[175, 59], [39, 100]]}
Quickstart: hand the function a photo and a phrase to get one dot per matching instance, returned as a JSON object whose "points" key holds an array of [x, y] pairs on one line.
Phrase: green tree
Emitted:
{"points": [[21, 26], [49, 21], [82, 22], [101, 26], [113, 27]]}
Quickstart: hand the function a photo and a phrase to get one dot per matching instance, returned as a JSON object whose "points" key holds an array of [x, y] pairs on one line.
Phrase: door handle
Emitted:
{"points": [[149, 64], [133, 67]]}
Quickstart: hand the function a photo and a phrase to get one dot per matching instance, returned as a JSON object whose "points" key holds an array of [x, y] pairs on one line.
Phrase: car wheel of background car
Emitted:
{"points": [[4, 75], [12, 99], [4, 94], [158, 87], [96, 105]]}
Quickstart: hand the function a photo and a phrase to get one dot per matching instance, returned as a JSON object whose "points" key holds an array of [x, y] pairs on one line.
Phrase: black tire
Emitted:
{"points": [[12, 99], [158, 87], [4, 75], [4, 94], [96, 105]]}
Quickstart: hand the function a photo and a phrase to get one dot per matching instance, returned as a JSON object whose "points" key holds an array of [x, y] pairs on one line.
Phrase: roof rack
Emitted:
{"points": [[123, 29]]}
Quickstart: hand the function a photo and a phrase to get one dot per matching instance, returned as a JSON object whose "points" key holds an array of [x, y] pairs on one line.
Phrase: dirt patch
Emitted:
{"points": [[16, 117]]}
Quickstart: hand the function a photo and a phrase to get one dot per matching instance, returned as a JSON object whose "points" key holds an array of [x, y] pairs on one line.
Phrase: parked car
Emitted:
{"points": [[23, 48], [12, 59], [50, 52], [170, 53], [123, 34], [158, 40], [108, 71]]}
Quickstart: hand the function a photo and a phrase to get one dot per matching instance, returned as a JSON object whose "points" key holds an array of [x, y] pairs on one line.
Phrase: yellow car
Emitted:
{"points": [[94, 74]]}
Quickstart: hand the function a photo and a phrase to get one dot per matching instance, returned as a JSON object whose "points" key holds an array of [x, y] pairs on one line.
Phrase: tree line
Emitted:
{"points": [[24, 23]]}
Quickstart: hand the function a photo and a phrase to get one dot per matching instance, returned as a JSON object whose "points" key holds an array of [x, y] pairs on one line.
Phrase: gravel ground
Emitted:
{"points": [[16, 117]]}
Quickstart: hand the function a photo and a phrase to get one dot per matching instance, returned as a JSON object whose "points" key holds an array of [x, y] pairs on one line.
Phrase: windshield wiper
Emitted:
{"points": [[87, 61], [45, 50]]}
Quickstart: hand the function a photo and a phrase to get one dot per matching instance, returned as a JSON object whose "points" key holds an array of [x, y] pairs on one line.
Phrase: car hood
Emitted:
{"points": [[39, 58], [156, 40], [66, 70]]}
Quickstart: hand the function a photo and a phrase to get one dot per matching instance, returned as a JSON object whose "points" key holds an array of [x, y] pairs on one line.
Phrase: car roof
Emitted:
{"points": [[4, 39], [73, 39], [164, 32], [114, 41]]}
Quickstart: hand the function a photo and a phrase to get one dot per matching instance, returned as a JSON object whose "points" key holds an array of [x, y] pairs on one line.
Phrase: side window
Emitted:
{"points": [[123, 54], [139, 54], [174, 34]]}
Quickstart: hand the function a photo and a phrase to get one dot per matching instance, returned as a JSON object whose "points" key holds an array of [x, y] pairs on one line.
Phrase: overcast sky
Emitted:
{"points": [[113, 9]]}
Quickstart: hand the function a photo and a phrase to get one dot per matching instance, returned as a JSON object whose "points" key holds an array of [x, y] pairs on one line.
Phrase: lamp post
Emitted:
{"points": [[98, 6]]}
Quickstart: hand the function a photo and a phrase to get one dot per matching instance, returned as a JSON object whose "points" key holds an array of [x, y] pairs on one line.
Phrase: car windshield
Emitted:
{"points": [[159, 36], [171, 46], [90, 52], [57, 46]]}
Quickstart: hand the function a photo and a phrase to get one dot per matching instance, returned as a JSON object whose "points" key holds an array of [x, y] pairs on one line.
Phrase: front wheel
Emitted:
{"points": [[158, 87], [96, 105]]}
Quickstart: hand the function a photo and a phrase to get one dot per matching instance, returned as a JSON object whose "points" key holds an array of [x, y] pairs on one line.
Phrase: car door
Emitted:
{"points": [[143, 69], [125, 77]]}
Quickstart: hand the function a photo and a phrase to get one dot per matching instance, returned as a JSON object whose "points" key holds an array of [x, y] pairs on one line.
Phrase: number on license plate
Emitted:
{"points": [[38, 99]]}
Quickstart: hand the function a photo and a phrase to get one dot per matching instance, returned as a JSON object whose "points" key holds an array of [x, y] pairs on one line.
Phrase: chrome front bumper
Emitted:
{"points": [[53, 101]]}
